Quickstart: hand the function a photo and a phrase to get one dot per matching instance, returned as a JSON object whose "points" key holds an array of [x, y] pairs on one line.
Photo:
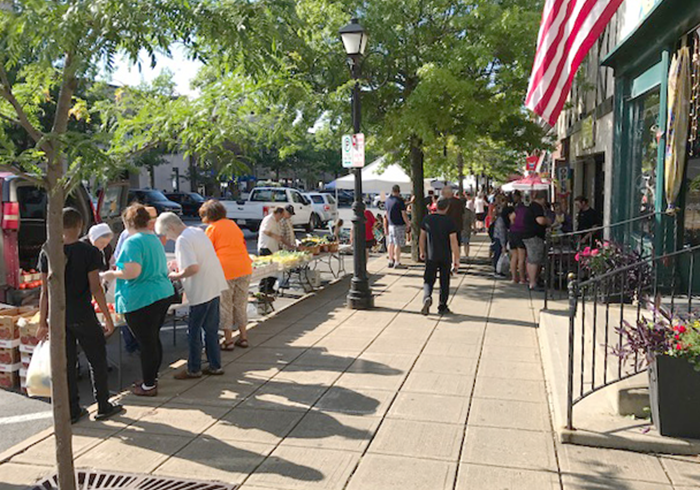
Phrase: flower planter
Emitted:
{"points": [[674, 393]]}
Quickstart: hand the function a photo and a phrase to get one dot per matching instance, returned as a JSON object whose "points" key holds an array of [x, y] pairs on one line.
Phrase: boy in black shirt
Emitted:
{"points": [[438, 246], [83, 263]]}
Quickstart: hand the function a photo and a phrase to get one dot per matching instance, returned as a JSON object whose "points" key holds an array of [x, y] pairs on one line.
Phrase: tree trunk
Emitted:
{"points": [[152, 176], [57, 323], [57, 285], [460, 168], [418, 210]]}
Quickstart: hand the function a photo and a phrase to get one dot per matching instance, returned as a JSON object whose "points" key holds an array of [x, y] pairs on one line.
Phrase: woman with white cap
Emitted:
{"points": [[100, 236]]}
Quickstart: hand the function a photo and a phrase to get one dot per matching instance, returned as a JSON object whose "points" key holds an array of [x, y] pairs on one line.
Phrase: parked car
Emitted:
{"points": [[156, 199], [263, 200], [345, 197], [24, 214], [325, 208], [190, 202]]}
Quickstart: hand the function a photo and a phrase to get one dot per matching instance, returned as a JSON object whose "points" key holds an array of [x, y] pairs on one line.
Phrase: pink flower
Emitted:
{"points": [[679, 346], [587, 251], [577, 257], [594, 252], [682, 329]]}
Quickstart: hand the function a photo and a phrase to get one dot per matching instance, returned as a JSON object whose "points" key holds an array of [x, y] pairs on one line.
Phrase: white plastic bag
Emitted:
{"points": [[39, 372], [503, 264]]}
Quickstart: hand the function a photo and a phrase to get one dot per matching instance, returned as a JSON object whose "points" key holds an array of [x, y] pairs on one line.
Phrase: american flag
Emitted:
{"points": [[568, 31]]}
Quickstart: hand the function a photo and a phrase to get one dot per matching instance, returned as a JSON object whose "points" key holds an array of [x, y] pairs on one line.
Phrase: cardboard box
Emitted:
{"points": [[9, 381], [10, 356], [9, 318]]}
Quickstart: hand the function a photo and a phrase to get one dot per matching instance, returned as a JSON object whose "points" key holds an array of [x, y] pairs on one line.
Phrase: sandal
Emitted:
{"points": [[242, 343], [228, 345]]}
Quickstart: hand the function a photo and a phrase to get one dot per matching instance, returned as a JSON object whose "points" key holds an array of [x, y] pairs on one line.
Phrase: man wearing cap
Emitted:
{"points": [[289, 240], [100, 236]]}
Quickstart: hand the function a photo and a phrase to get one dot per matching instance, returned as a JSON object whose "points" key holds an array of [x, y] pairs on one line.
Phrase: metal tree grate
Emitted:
{"points": [[104, 480]]}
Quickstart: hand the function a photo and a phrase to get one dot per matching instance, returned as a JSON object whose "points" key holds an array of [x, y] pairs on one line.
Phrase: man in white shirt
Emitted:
{"points": [[269, 240], [203, 280]]}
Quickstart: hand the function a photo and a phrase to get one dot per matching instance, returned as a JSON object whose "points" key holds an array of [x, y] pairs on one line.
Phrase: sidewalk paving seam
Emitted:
{"points": [[476, 377], [550, 417], [311, 407], [409, 370]]}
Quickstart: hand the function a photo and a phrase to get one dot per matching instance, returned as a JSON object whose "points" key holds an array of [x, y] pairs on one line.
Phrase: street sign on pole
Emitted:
{"points": [[353, 150]]}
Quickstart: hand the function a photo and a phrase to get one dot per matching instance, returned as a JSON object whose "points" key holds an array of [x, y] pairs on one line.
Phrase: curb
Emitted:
{"points": [[553, 363]]}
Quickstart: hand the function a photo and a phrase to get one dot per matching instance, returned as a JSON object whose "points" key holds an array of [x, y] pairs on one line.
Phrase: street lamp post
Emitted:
{"points": [[360, 297]]}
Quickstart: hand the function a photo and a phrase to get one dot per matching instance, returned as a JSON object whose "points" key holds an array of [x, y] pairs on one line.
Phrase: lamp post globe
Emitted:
{"points": [[360, 297]]}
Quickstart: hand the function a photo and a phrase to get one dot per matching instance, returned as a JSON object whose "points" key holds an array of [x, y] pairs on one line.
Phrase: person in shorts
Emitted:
{"points": [[518, 253], [395, 223], [536, 223]]}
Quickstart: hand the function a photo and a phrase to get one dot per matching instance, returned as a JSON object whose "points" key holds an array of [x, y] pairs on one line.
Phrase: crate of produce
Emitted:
{"points": [[9, 380], [10, 357], [9, 328]]}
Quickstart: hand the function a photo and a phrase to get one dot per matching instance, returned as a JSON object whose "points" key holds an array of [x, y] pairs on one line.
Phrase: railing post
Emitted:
{"points": [[573, 306]]}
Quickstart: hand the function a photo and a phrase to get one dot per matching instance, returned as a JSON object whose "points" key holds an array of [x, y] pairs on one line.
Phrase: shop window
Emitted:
{"points": [[646, 146]]}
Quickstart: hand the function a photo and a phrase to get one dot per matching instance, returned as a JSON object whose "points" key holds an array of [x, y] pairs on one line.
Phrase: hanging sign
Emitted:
{"points": [[353, 150]]}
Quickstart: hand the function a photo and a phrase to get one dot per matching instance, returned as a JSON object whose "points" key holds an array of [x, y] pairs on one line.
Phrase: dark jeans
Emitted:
{"points": [[267, 284], [431, 270], [91, 339], [130, 343], [204, 317], [497, 251], [145, 324]]}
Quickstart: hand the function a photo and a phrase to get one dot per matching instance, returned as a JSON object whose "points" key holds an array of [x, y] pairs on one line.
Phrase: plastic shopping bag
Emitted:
{"points": [[39, 372], [503, 264]]}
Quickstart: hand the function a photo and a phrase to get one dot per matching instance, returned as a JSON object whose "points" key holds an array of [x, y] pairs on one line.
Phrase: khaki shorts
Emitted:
{"points": [[234, 304], [397, 235]]}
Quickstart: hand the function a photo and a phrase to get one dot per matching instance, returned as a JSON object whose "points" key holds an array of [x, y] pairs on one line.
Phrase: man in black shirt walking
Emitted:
{"points": [[439, 249]]}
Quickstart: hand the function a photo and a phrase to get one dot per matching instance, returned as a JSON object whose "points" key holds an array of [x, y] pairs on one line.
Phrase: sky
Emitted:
{"points": [[183, 69]]}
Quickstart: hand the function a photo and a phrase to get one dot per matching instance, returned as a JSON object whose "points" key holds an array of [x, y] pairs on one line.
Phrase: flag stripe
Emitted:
{"points": [[545, 57], [568, 31], [597, 30], [579, 30], [594, 28]]}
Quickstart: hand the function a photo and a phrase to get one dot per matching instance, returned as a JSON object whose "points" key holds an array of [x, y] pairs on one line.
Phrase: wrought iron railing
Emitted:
{"points": [[562, 249], [601, 304]]}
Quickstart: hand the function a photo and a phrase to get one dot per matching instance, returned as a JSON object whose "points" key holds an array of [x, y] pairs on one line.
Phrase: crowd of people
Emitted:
{"points": [[212, 267], [213, 270], [517, 231]]}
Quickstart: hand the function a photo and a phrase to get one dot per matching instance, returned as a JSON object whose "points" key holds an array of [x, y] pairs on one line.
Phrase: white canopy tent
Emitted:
{"points": [[377, 179]]}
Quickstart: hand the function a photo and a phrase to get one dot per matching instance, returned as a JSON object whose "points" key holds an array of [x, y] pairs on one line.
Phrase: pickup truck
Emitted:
{"points": [[263, 200]]}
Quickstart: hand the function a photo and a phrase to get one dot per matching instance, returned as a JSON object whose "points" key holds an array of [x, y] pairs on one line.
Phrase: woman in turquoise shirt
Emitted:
{"points": [[143, 293]]}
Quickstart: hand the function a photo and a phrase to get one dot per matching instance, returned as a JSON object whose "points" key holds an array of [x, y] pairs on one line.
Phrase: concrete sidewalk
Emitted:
{"points": [[385, 399]]}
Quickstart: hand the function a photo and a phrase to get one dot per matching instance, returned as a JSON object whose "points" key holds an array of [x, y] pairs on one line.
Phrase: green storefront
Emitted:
{"points": [[641, 63]]}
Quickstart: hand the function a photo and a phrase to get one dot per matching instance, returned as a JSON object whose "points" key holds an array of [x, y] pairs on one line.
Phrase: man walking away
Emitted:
{"points": [[395, 223], [269, 240], [83, 264], [536, 223], [438, 243], [203, 279]]}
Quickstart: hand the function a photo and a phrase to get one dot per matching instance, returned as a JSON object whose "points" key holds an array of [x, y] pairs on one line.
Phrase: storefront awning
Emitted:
{"points": [[661, 29]]}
